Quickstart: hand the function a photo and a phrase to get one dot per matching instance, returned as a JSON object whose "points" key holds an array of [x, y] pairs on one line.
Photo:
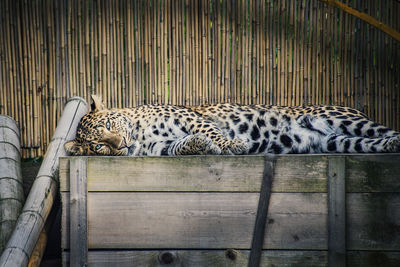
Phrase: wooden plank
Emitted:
{"points": [[203, 220], [372, 218], [218, 173], [302, 173], [63, 173], [65, 220], [336, 212], [373, 221], [373, 258], [78, 213], [373, 173], [200, 258]]}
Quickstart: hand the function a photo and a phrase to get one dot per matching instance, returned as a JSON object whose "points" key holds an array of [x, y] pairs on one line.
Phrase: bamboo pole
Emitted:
{"points": [[11, 190], [87, 53], [198, 80], [166, 59], [374, 22], [43, 191], [222, 53], [180, 46]]}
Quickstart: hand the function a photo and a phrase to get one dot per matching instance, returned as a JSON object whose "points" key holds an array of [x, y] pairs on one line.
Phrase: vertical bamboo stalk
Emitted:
{"points": [[181, 46], [121, 63], [291, 17], [160, 16], [167, 53], [87, 32], [164, 60], [199, 83], [222, 53], [212, 53]]}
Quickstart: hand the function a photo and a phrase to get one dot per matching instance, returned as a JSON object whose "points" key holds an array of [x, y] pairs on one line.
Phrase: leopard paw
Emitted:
{"points": [[200, 144], [236, 147], [393, 145]]}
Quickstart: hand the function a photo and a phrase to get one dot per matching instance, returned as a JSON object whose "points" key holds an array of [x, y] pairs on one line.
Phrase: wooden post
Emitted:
{"points": [[44, 189], [11, 191], [336, 211], [78, 226]]}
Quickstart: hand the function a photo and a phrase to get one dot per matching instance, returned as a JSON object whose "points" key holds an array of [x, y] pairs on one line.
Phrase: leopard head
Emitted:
{"points": [[103, 132]]}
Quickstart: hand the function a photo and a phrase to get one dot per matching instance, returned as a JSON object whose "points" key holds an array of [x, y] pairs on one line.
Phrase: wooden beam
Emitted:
{"points": [[367, 18]]}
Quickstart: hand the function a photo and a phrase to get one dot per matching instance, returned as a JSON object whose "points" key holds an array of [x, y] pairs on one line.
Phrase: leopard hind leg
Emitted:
{"points": [[345, 144]]}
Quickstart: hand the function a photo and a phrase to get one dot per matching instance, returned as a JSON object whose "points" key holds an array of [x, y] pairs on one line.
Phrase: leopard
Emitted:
{"points": [[228, 129]]}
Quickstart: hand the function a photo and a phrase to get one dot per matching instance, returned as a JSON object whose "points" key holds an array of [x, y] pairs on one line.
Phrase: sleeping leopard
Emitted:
{"points": [[228, 129]]}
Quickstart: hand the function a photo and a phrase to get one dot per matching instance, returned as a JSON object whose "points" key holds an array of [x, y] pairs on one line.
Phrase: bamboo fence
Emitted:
{"points": [[189, 52]]}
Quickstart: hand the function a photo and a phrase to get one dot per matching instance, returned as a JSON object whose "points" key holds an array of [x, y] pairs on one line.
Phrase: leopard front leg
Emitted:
{"points": [[228, 146], [197, 144]]}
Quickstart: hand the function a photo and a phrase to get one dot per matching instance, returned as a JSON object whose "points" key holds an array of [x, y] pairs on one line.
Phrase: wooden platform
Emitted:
{"points": [[200, 210]]}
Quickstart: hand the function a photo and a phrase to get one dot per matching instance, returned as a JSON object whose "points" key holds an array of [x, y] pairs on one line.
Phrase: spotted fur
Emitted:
{"points": [[228, 129]]}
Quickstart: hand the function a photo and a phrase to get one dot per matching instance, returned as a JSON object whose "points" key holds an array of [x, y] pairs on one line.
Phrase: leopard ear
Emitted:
{"points": [[97, 104], [74, 148]]}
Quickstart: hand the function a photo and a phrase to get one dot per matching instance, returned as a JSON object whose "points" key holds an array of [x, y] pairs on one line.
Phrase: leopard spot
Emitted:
{"points": [[263, 146], [254, 147], [260, 122], [371, 132], [232, 134], [273, 121], [249, 117], [286, 140], [243, 128], [276, 148], [255, 133]]}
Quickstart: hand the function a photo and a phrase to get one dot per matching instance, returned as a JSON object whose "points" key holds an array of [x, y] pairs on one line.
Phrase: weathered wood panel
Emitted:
{"points": [[373, 173], [206, 173], [337, 212], [373, 258], [294, 173], [151, 204], [200, 258], [207, 220], [295, 220], [202, 220], [124, 258], [373, 221], [78, 210]]}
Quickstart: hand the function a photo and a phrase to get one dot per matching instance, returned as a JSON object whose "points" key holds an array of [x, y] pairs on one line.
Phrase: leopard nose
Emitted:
{"points": [[123, 143]]}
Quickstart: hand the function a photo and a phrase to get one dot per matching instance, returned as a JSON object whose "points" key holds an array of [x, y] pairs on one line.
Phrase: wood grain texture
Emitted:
{"points": [[201, 220], [206, 173], [200, 258], [373, 173], [294, 173], [337, 212], [78, 210], [373, 221]]}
